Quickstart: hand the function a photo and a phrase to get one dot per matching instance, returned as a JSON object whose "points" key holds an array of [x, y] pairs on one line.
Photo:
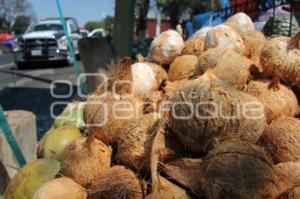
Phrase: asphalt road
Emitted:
{"points": [[30, 89]]}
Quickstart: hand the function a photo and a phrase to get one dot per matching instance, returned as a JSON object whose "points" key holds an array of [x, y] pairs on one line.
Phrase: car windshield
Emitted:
{"points": [[46, 27]]}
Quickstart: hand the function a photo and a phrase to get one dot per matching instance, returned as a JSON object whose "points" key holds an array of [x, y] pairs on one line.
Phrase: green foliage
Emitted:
{"points": [[21, 24], [106, 24], [10, 10], [92, 25]]}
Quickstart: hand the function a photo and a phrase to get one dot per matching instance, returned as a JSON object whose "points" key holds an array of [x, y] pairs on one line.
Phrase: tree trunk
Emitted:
{"points": [[142, 21]]}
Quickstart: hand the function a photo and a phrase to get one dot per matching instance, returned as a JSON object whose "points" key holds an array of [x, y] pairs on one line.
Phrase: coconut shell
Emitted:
{"points": [[281, 139], [61, 188], [106, 116], [117, 182], [136, 141], [216, 117], [224, 36], [166, 47], [167, 190], [84, 159], [184, 171], [240, 22], [289, 179], [254, 42], [182, 67], [280, 57], [194, 46], [238, 170], [227, 65], [279, 100]]}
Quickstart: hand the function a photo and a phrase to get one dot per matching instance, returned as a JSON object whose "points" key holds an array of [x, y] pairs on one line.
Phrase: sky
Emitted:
{"points": [[82, 10]]}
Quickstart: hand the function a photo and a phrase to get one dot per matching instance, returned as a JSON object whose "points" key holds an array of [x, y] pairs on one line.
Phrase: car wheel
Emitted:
{"points": [[21, 65]]}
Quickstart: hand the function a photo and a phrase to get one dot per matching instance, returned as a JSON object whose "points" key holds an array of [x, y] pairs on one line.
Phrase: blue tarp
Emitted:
{"points": [[206, 19]]}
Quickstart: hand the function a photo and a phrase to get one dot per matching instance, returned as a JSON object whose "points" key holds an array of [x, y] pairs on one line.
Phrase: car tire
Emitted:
{"points": [[21, 65]]}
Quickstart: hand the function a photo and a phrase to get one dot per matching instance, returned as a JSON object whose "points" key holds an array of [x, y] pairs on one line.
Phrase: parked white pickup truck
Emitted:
{"points": [[46, 41]]}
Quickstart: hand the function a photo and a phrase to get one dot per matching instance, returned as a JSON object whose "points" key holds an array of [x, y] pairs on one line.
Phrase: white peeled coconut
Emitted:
{"points": [[241, 22], [147, 77], [202, 32], [166, 47], [223, 36]]}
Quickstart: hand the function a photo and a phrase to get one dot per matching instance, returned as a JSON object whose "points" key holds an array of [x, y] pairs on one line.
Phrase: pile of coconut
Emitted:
{"points": [[213, 117]]}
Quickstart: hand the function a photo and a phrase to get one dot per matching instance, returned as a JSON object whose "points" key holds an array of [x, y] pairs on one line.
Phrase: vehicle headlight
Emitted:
{"points": [[63, 44]]}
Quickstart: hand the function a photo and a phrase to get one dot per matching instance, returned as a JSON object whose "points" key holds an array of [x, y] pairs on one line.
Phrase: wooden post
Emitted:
{"points": [[123, 27]]}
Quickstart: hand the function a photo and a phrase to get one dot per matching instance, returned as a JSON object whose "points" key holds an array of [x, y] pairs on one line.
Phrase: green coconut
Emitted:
{"points": [[72, 115], [31, 177], [56, 140]]}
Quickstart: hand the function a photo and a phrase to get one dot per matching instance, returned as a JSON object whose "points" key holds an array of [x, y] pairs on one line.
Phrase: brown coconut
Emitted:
{"points": [[227, 65], [279, 100], [184, 171], [60, 188], [84, 159], [289, 179], [240, 22], [194, 46], [182, 67], [223, 36], [167, 190], [254, 42], [238, 170], [280, 57], [105, 117], [281, 139], [117, 182], [206, 111], [136, 140], [166, 47]]}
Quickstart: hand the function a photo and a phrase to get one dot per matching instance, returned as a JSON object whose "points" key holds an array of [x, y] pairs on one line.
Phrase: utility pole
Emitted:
{"points": [[123, 27]]}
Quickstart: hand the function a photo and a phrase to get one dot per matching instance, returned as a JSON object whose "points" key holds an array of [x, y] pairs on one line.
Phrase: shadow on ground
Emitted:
{"points": [[36, 100]]}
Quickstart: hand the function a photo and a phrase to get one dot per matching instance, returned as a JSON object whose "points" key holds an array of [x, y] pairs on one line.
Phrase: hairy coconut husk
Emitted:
{"points": [[184, 171], [206, 111], [281, 139], [136, 140], [194, 46], [280, 57], [254, 42], [167, 190], [240, 22], [84, 159], [117, 182], [182, 67], [227, 65], [61, 188], [279, 100], [238, 170], [166, 47], [106, 116], [223, 36], [289, 179]]}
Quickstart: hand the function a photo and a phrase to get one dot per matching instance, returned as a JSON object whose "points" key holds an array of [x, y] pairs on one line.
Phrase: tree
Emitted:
{"points": [[108, 24], [11, 9], [92, 25], [21, 24]]}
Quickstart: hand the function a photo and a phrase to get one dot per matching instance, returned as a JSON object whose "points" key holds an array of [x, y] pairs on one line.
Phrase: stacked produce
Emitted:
{"points": [[212, 118]]}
